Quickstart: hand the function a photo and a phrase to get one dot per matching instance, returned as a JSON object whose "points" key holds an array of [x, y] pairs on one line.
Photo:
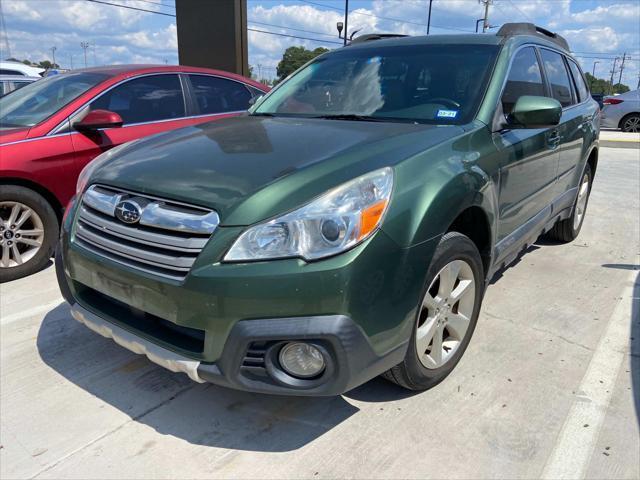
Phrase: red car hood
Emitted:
{"points": [[13, 134]]}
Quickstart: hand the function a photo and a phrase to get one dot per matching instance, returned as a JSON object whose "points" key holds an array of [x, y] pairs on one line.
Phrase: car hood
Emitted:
{"points": [[8, 135], [249, 168]]}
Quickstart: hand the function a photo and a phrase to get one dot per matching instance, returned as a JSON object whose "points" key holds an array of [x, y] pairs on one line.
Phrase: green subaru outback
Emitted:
{"points": [[348, 225]]}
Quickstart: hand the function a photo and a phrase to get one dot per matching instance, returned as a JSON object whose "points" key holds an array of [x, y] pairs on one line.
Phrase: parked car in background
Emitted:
{"points": [[348, 225], [622, 111], [9, 83], [19, 68], [598, 97], [51, 129]]}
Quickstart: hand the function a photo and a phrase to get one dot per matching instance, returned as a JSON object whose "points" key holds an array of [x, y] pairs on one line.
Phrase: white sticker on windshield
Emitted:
{"points": [[447, 113]]}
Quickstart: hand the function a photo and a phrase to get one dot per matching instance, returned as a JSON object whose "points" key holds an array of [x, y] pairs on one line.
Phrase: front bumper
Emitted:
{"points": [[358, 307], [351, 361]]}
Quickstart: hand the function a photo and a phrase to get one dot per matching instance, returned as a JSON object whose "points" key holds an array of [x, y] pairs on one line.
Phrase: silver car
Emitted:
{"points": [[622, 111], [9, 83]]}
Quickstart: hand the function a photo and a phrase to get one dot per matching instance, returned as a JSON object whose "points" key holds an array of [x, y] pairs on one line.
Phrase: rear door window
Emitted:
{"points": [[524, 78], [581, 86], [558, 76], [145, 99], [219, 95]]}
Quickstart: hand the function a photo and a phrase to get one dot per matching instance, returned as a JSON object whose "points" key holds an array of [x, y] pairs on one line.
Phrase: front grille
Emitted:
{"points": [[165, 240], [184, 338]]}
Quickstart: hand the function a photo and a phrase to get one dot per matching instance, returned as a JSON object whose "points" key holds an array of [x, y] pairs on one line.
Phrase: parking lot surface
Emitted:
{"points": [[550, 385]]}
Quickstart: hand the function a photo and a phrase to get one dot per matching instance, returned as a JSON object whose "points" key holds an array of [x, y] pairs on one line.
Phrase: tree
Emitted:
{"points": [[294, 57], [600, 85]]}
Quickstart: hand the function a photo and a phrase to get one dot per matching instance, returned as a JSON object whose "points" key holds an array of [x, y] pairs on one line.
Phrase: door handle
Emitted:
{"points": [[553, 140]]}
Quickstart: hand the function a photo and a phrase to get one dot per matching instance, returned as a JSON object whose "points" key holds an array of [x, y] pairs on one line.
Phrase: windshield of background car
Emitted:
{"points": [[436, 84], [41, 99]]}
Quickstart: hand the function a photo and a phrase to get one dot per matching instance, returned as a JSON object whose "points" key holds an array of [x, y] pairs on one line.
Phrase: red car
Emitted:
{"points": [[51, 129]]}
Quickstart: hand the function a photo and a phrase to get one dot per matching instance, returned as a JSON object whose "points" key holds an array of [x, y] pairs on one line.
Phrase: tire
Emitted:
{"points": [[421, 371], [567, 230], [40, 228], [630, 123]]}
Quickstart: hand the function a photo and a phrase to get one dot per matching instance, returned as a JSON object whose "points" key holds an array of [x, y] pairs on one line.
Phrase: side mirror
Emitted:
{"points": [[97, 119], [535, 112], [255, 99]]}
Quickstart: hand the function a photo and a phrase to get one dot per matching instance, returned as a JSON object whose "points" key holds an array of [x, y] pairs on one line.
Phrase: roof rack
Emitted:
{"points": [[509, 29], [375, 36]]}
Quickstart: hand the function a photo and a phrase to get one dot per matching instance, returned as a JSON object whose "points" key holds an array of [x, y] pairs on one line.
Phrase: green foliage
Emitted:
{"points": [[294, 57], [43, 64], [600, 85]]}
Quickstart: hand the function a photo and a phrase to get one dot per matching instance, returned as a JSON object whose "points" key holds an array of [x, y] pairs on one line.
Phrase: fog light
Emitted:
{"points": [[301, 360]]}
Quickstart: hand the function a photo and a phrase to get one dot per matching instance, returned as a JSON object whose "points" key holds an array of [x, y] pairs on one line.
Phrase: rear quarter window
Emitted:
{"points": [[578, 79]]}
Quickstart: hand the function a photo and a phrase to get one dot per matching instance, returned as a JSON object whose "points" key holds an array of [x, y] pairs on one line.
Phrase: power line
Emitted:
{"points": [[294, 36], [518, 8], [399, 20], [132, 8], [291, 28], [160, 4], [249, 29]]}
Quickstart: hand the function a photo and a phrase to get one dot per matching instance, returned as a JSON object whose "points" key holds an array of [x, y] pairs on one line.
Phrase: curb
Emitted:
{"points": [[620, 143]]}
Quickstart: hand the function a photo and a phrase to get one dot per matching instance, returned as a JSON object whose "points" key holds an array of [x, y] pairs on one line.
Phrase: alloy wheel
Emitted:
{"points": [[631, 124], [581, 202], [445, 314], [21, 234]]}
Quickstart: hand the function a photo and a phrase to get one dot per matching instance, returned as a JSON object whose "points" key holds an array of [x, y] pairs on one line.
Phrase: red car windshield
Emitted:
{"points": [[41, 99]]}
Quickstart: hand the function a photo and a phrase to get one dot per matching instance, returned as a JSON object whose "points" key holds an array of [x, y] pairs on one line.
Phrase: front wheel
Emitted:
{"points": [[28, 232], [447, 315]]}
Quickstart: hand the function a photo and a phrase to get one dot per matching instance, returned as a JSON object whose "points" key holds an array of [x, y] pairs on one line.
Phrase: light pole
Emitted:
{"points": [[478, 23], [593, 74], [53, 57], [429, 17], [84, 46]]}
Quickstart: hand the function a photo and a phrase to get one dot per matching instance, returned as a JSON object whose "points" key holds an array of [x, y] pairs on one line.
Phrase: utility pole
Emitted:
{"points": [[84, 46], [613, 71], [93, 49], [485, 25], [624, 57], [429, 17], [259, 71], [346, 20], [71, 60], [53, 57], [593, 74]]}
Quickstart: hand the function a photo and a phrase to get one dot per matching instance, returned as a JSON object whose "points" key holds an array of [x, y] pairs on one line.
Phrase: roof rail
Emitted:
{"points": [[375, 36], [510, 29]]}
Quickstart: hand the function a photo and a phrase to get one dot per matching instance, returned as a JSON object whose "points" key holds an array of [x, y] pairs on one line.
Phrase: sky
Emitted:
{"points": [[597, 30]]}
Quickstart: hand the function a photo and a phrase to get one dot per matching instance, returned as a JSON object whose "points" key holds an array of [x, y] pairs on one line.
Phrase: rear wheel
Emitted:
{"points": [[447, 315], [567, 230], [630, 123], [28, 232]]}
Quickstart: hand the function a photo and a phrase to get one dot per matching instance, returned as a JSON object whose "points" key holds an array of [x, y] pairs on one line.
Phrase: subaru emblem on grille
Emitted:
{"points": [[128, 212]]}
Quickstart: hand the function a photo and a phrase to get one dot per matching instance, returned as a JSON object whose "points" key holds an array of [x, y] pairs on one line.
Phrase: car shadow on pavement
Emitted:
{"points": [[172, 404], [634, 346]]}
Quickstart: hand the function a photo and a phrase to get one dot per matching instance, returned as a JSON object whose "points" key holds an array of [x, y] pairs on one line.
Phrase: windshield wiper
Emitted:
{"points": [[352, 116], [262, 114]]}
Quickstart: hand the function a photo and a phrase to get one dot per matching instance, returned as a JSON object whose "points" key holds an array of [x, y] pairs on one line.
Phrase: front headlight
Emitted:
{"points": [[330, 224]]}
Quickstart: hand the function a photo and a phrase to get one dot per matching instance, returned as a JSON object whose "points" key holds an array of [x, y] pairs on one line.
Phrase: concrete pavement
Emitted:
{"points": [[550, 385]]}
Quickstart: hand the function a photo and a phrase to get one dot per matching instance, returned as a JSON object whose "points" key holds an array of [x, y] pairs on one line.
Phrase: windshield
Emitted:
{"points": [[39, 100], [440, 84]]}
